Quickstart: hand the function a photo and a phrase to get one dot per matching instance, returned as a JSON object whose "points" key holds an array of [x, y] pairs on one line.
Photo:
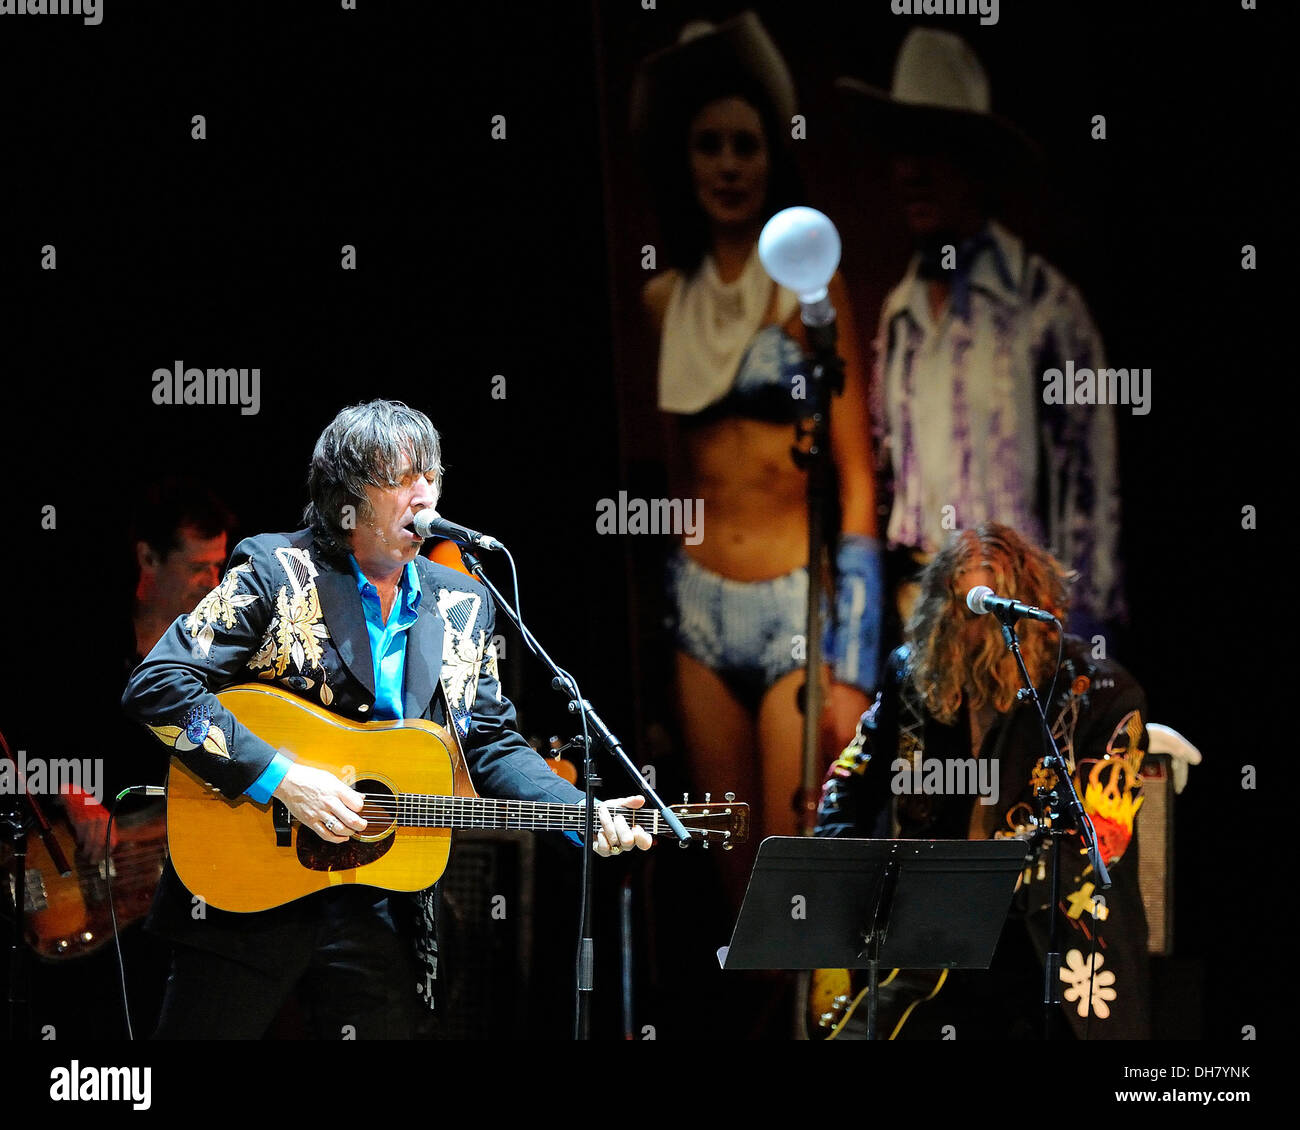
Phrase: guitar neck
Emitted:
{"points": [[415, 810]]}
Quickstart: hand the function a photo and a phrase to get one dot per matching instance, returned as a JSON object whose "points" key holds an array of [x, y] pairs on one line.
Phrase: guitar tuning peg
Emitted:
{"points": [[728, 797], [686, 798], [706, 797], [706, 844], [728, 846]]}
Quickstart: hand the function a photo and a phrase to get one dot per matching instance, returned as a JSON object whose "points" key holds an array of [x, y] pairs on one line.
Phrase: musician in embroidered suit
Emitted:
{"points": [[949, 698], [347, 614]]}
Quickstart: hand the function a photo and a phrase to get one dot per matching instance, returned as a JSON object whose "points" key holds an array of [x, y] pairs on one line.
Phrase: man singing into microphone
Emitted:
{"points": [[947, 752], [347, 614]]}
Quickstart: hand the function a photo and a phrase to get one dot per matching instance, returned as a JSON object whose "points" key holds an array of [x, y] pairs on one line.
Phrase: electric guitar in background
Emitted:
{"points": [[243, 856], [837, 1001], [67, 916]]}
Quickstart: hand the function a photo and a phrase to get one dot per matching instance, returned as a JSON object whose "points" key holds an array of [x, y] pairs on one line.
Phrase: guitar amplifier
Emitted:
{"points": [[1156, 852], [485, 935]]}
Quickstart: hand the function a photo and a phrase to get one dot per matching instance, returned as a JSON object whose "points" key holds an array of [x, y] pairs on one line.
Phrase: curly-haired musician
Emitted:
{"points": [[947, 752]]}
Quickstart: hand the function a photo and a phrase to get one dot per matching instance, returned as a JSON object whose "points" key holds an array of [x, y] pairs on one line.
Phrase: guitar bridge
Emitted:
{"points": [[280, 822]]}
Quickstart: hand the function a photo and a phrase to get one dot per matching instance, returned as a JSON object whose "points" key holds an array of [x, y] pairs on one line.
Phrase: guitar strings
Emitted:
{"points": [[388, 805], [126, 855], [433, 811], [385, 802]]}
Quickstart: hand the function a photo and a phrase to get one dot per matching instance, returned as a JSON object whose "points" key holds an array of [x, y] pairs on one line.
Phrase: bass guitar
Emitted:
{"points": [[67, 916]]}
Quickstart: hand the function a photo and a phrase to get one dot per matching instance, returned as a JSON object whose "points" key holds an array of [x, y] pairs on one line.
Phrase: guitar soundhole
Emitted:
{"points": [[380, 813], [380, 808]]}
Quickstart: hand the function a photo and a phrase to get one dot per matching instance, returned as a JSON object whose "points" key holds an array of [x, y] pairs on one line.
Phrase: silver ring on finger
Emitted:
{"points": [[329, 825]]}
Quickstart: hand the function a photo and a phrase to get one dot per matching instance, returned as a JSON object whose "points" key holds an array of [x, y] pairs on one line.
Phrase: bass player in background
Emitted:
{"points": [[178, 542]]}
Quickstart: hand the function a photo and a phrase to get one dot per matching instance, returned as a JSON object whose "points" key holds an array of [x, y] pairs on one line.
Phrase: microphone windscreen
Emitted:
{"points": [[975, 599], [424, 521]]}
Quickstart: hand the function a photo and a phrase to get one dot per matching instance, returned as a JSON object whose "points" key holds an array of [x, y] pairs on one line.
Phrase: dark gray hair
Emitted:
{"points": [[364, 446]]}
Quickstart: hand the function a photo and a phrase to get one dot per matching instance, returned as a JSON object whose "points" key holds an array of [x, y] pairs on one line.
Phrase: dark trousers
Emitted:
{"points": [[354, 971]]}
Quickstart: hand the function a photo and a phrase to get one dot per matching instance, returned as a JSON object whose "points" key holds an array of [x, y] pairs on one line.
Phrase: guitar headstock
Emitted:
{"points": [[712, 823]]}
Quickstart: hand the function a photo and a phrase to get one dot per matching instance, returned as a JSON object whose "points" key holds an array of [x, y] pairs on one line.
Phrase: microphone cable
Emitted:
{"points": [[134, 790]]}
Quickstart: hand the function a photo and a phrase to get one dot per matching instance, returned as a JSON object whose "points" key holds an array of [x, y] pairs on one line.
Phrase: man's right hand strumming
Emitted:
{"points": [[321, 802]]}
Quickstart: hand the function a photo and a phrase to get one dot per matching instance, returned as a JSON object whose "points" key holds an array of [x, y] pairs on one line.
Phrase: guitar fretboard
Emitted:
{"points": [[416, 810]]}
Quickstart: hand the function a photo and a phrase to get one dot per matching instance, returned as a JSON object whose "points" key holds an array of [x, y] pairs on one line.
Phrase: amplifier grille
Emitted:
{"points": [[485, 935], [1156, 855]]}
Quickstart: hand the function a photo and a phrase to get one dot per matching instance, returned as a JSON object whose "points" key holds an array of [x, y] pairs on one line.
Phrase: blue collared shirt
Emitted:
{"points": [[387, 653], [388, 641]]}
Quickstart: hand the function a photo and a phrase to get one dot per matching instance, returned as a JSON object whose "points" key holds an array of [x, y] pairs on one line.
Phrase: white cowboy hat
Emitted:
{"points": [[940, 96]]}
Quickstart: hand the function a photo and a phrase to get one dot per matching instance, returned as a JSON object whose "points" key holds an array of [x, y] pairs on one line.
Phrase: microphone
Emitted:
{"points": [[981, 599], [430, 524]]}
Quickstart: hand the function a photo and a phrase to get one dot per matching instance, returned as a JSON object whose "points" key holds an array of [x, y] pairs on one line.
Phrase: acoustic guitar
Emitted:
{"points": [[243, 856]]}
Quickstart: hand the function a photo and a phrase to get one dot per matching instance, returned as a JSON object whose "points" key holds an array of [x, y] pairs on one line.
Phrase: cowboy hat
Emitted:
{"points": [[939, 99], [709, 61]]}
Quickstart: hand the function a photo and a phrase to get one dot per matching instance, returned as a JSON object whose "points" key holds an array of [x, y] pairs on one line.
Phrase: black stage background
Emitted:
{"points": [[479, 257]]}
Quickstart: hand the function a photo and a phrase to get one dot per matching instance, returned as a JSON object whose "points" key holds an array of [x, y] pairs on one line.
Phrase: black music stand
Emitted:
{"points": [[863, 904]]}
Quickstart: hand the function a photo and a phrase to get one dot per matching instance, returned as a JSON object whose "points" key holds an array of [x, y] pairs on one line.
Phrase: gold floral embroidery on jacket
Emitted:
{"points": [[462, 647], [297, 630], [178, 739], [490, 667], [219, 605]]}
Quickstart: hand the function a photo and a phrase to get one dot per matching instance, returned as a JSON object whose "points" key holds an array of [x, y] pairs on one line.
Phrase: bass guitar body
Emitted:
{"points": [[68, 915]]}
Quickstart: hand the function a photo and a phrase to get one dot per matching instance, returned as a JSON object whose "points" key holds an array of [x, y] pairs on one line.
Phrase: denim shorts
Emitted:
{"points": [[743, 630]]}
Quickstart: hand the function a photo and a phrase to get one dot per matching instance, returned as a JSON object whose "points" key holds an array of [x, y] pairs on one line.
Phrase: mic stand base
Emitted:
{"points": [[14, 831], [562, 682]]}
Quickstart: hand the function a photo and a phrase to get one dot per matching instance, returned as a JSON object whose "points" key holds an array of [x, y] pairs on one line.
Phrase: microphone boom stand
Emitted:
{"points": [[592, 721], [1048, 801], [826, 381]]}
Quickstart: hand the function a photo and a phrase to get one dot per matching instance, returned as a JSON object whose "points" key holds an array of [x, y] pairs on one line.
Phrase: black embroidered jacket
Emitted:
{"points": [[286, 614]]}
